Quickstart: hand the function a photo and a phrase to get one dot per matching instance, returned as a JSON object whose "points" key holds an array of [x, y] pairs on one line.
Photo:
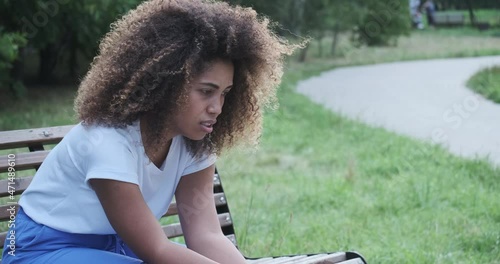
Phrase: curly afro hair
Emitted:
{"points": [[151, 53]]}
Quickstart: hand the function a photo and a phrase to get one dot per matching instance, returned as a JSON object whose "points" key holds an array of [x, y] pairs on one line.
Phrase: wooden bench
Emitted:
{"points": [[449, 19], [22, 152]]}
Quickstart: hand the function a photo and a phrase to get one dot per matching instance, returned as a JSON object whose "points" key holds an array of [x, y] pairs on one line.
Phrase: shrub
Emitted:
{"points": [[11, 43]]}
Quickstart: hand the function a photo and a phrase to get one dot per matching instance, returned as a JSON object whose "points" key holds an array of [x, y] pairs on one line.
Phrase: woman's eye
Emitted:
{"points": [[206, 91]]}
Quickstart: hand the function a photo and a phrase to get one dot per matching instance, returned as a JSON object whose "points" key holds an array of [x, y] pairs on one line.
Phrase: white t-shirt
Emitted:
{"points": [[61, 198]]}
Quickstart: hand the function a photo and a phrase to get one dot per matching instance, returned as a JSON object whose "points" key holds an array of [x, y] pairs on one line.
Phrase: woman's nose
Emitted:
{"points": [[215, 106]]}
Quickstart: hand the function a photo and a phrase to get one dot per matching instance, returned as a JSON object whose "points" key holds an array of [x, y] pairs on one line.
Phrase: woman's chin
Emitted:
{"points": [[196, 137]]}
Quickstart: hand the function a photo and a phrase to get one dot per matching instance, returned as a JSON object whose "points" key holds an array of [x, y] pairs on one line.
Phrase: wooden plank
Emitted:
{"points": [[287, 259], [310, 259], [440, 18], [353, 261], [219, 198], [172, 210], [259, 261], [456, 19], [232, 238], [3, 235], [323, 258], [271, 260], [23, 161], [277, 260], [26, 137], [5, 211], [19, 184], [175, 230], [449, 19], [172, 230]]}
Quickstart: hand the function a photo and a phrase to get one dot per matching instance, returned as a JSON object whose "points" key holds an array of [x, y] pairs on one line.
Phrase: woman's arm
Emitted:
{"points": [[198, 216], [131, 218]]}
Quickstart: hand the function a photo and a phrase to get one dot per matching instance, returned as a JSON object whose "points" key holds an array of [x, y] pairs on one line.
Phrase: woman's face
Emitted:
{"points": [[206, 94]]}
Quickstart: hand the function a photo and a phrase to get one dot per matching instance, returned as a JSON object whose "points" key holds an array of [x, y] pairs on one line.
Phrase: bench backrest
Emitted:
{"points": [[23, 151], [449, 19]]}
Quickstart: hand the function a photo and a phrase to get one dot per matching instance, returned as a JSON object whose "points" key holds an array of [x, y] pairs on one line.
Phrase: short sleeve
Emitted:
{"points": [[199, 163], [111, 157]]}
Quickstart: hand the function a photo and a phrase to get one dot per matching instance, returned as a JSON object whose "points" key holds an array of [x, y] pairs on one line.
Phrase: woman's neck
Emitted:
{"points": [[156, 150]]}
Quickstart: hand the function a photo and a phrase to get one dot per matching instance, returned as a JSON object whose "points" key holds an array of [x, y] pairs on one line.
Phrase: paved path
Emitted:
{"points": [[423, 99]]}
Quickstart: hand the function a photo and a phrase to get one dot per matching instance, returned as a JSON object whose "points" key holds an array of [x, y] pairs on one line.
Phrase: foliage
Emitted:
{"points": [[11, 43], [61, 28], [382, 22], [487, 83], [374, 22]]}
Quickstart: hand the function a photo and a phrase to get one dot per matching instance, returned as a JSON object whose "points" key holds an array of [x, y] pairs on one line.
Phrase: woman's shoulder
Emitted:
{"points": [[100, 134]]}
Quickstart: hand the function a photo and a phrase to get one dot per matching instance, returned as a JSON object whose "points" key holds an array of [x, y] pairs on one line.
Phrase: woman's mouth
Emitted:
{"points": [[207, 126]]}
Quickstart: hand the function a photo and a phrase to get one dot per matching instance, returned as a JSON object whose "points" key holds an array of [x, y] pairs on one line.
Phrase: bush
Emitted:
{"points": [[11, 43], [382, 23]]}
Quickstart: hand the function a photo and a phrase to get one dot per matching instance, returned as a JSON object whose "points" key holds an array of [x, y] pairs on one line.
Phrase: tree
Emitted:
{"points": [[340, 16], [382, 22], [58, 29], [11, 43], [468, 3]]}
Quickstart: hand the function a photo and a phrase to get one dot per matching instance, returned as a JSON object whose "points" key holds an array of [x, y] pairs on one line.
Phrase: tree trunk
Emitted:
{"points": [[303, 53], [48, 61], [73, 57], [320, 44], [17, 71], [297, 20], [471, 12], [16, 86], [335, 39], [49, 57]]}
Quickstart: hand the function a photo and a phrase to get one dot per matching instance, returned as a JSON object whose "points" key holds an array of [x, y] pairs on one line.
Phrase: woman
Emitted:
{"points": [[174, 84]]}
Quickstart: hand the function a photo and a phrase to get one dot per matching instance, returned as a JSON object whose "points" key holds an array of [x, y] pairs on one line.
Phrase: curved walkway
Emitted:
{"points": [[422, 99]]}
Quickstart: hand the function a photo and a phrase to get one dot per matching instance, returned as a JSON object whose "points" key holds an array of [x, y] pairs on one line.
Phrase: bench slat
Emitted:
{"points": [[172, 210], [449, 19], [219, 198], [26, 137], [175, 230], [21, 183], [338, 257], [23, 161], [285, 259], [353, 261]]}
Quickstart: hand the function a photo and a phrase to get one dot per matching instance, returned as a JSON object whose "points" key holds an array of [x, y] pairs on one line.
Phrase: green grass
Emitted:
{"points": [[487, 83], [321, 182], [43, 106], [421, 44]]}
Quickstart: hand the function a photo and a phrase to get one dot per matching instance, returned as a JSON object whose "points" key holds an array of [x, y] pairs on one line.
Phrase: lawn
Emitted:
{"points": [[321, 182], [487, 83]]}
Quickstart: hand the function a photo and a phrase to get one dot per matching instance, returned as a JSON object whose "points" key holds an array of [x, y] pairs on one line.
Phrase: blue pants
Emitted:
{"points": [[37, 243]]}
